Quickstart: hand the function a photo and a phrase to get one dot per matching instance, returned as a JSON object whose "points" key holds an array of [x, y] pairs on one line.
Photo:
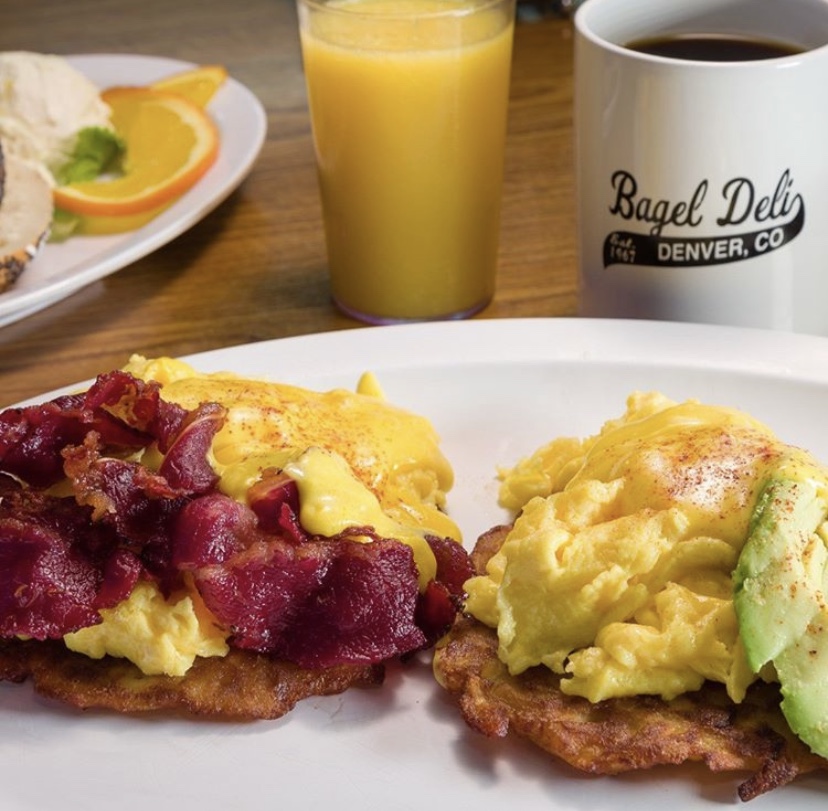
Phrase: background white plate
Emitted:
{"points": [[495, 390], [61, 269]]}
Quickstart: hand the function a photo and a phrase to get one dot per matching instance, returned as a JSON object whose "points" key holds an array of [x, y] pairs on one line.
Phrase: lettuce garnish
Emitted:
{"points": [[97, 151]]}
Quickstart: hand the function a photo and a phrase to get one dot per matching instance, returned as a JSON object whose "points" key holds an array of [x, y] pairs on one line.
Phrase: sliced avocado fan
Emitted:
{"points": [[780, 586]]}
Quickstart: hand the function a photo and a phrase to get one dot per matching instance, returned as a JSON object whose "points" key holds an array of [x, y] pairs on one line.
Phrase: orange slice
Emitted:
{"points": [[199, 85], [170, 143]]}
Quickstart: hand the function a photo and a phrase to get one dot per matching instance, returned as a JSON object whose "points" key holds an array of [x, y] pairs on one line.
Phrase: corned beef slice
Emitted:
{"points": [[137, 404], [259, 592], [364, 612], [454, 566], [319, 604], [211, 530], [46, 586], [275, 500], [185, 463], [126, 412], [120, 574], [436, 610], [52, 559], [442, 599], [140, 505]]}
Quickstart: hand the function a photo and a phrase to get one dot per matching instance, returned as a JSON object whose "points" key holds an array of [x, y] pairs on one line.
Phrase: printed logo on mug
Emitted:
{"points": [[701, 168]]}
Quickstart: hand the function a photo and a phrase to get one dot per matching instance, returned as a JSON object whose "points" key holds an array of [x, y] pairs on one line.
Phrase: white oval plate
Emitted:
{"points": [[495, 390], [61, 269]]}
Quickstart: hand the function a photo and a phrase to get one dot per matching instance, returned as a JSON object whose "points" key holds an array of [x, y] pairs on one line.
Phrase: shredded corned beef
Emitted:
{"points": [[127, 413], [315, 601]]}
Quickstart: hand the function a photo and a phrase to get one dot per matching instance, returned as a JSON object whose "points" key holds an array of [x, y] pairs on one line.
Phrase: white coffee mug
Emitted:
{"points": [[703, 185]]}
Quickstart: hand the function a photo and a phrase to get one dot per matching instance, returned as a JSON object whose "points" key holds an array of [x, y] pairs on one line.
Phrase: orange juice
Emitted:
{"points": [[408, 100]]}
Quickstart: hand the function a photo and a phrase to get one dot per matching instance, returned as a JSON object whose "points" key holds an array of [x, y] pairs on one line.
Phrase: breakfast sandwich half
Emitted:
{"points": [[218, 545], [658, 599]]}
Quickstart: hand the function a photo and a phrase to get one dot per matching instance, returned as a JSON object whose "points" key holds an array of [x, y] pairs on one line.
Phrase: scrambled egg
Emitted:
{"points": [[356, 459], [618, 571], [158, 635]]}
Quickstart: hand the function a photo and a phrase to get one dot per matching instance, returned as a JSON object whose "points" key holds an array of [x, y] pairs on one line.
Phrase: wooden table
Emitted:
{"points": [[255, 268]]}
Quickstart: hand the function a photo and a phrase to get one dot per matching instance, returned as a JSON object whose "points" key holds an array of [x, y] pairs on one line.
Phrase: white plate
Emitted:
{"points": [[61, 269], [495, 390]]}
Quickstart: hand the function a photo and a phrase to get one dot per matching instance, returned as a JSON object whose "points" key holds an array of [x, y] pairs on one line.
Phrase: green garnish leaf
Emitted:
{"points": [[97, 151]]}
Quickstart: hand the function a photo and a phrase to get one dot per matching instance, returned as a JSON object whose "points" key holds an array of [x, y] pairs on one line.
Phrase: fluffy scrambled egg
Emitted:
{"points": [[157, 634], [618, 571], [357, 461]]}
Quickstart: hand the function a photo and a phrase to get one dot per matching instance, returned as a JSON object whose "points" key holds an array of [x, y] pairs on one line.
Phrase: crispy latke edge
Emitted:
{"points": [[783, 757]]}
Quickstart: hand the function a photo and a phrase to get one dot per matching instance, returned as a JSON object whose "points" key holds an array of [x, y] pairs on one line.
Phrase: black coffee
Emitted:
{"points": [[713, 47]]}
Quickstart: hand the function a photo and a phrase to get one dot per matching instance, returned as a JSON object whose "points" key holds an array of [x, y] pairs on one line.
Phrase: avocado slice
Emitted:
{"points": [[802, 669], [779, 597]]}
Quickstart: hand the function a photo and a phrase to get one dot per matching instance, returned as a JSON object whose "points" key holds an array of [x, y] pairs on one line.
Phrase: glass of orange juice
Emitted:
{"points": [[408, 102]]}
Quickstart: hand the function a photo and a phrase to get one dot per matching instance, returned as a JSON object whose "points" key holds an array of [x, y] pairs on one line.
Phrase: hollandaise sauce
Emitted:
{"points": [[357, 461]]}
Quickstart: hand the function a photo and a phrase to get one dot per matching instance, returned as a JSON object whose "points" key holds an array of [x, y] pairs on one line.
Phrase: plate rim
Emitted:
{"points": [[605, 340], [763, 352]]}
